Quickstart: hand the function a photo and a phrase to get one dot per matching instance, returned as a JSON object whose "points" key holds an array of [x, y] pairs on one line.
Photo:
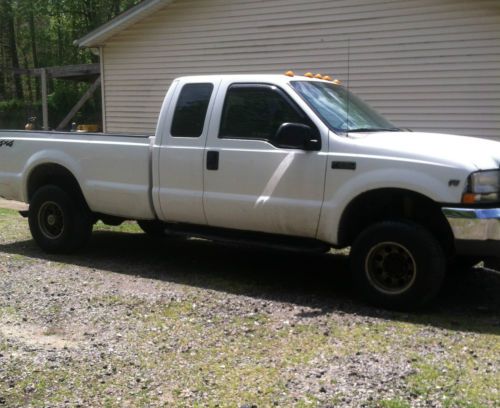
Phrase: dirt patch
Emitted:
{"points": [[13, 205], [36, 336]]}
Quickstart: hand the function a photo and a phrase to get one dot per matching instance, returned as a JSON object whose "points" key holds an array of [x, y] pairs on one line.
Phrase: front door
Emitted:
{"points": [[250, 184]]}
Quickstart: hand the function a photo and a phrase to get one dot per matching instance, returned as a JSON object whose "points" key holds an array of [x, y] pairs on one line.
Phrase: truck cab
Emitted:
{"points": [[240, 152]]}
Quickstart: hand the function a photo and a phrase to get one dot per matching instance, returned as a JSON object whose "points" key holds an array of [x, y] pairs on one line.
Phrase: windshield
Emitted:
{"points": [[341, 110]]}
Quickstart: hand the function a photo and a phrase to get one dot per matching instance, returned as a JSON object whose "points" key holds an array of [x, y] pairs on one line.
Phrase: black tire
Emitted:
{"points": [[398, 265], [59, 222], [153, 228]]}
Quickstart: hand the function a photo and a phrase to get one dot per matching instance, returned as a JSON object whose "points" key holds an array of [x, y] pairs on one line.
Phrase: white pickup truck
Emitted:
{"points": [[275, 160]]}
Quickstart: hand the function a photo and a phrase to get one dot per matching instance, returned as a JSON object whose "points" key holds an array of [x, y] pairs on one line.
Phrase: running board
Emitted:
{"points": [[248, 238]]}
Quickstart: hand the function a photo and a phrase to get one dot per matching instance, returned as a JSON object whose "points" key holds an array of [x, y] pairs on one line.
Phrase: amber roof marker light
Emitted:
{"points": [[290, 73], [320, 76]]}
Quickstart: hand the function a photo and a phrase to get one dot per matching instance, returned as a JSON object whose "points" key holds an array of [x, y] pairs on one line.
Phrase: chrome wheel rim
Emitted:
{"points": [[51, 220], [391, 268]]}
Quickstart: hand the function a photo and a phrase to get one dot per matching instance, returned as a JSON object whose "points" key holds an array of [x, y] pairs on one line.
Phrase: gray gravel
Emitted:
{"points": [[135, 322]]}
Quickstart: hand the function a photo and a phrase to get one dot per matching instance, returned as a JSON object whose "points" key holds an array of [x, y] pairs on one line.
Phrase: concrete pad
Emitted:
{"points": [[13, 205]]}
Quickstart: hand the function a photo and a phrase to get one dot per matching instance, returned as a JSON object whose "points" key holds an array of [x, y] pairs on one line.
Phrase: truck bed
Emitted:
{"points": [[114, 171]]}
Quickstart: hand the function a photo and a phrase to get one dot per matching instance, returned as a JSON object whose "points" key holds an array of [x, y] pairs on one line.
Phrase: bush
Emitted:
{"points": [[14, 113], [12, 105]]}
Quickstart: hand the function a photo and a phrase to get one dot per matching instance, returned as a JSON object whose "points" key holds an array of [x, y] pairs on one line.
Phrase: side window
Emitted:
{"points": [[256, 112], [191, 110]]}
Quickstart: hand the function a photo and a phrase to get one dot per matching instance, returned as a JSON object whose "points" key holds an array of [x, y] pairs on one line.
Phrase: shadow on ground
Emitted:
{"points": [[468, 302]]}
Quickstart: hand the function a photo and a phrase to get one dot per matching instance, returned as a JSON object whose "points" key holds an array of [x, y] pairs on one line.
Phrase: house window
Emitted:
{"points": [[191, 110]]}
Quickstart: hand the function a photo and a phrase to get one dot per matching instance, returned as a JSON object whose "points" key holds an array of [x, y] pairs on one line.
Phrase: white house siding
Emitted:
{"points": [[425, 64]]}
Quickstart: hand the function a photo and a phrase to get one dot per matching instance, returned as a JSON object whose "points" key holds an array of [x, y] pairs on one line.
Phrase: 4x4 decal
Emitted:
{"points": [[8, 143]]}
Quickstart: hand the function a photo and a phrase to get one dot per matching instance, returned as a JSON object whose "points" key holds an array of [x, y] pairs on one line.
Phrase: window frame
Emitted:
{"points": [[266, 86]]}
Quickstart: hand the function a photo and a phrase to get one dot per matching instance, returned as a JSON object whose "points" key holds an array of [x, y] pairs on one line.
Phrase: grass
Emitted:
{"points": [[6, 213], [6, 311], [129, 227], [458, 381], [395, 403]]}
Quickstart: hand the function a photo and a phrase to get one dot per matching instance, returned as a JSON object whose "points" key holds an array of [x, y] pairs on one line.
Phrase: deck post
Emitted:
{"points": [[45, 105]]}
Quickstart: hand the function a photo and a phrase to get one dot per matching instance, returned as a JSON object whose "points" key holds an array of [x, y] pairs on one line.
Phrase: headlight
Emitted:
{"points": [[483, 187]]}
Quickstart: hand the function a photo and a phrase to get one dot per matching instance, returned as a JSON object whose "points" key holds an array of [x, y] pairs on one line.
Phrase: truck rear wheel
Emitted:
{"points": [[59, 223], [398, 265]]}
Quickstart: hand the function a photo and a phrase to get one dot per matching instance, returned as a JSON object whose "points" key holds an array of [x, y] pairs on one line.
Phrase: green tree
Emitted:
{"points": [[40, 33]]}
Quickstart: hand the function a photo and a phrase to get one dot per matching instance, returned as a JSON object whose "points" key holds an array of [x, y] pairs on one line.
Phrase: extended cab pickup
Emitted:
{"points": [[274, 160]]}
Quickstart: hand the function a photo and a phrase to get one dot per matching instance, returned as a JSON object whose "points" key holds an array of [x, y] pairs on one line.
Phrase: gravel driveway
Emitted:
{"points": [[132, 322]]}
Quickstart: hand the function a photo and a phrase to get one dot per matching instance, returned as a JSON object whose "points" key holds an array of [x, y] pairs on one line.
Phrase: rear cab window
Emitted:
{"points": [[191, 110]]}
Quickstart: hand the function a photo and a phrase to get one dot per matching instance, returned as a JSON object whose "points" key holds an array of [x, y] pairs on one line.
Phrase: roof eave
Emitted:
{"points": [[99, 36]]}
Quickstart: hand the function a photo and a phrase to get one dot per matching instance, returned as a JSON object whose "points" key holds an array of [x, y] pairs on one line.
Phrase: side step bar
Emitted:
{"points": [[248, 238]]}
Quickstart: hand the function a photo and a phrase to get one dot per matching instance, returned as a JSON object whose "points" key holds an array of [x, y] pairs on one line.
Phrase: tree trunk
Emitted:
{"points": [[29, 82], [34, 51], [2, 63], [12, 44]]}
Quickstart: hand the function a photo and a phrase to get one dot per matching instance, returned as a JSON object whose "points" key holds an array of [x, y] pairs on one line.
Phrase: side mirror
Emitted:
{"points": [[297, 136]]}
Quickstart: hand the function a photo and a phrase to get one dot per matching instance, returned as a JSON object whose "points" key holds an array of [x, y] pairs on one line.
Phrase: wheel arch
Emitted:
{"points": [[53, 174], [393, 203]]}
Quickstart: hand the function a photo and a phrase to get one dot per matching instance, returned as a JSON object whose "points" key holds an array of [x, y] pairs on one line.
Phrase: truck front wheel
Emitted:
{"points": [[59, 222], [398, 265], [152, 228]]}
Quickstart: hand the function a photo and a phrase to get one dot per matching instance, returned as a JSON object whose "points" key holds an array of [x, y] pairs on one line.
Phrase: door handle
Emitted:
{"points": [[212, 160]]}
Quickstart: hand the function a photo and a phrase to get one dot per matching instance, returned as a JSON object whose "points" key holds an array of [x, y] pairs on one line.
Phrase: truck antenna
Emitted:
{"points": [[348, 82]]}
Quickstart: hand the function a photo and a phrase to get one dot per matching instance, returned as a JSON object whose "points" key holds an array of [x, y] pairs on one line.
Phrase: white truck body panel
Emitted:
{"points": [[420, 162], [112, 171]]}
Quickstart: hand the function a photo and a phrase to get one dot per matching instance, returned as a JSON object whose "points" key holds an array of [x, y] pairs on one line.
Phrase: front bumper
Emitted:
{"points": [[476, 230]]}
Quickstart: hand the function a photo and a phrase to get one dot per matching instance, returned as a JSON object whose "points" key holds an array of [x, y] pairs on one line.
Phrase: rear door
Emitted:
{"points": [[184, 128], [250, 184]]}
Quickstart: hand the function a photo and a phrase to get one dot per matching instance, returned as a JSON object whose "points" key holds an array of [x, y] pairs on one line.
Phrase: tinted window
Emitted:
{"points": [[256, 112], [191, 110]]}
